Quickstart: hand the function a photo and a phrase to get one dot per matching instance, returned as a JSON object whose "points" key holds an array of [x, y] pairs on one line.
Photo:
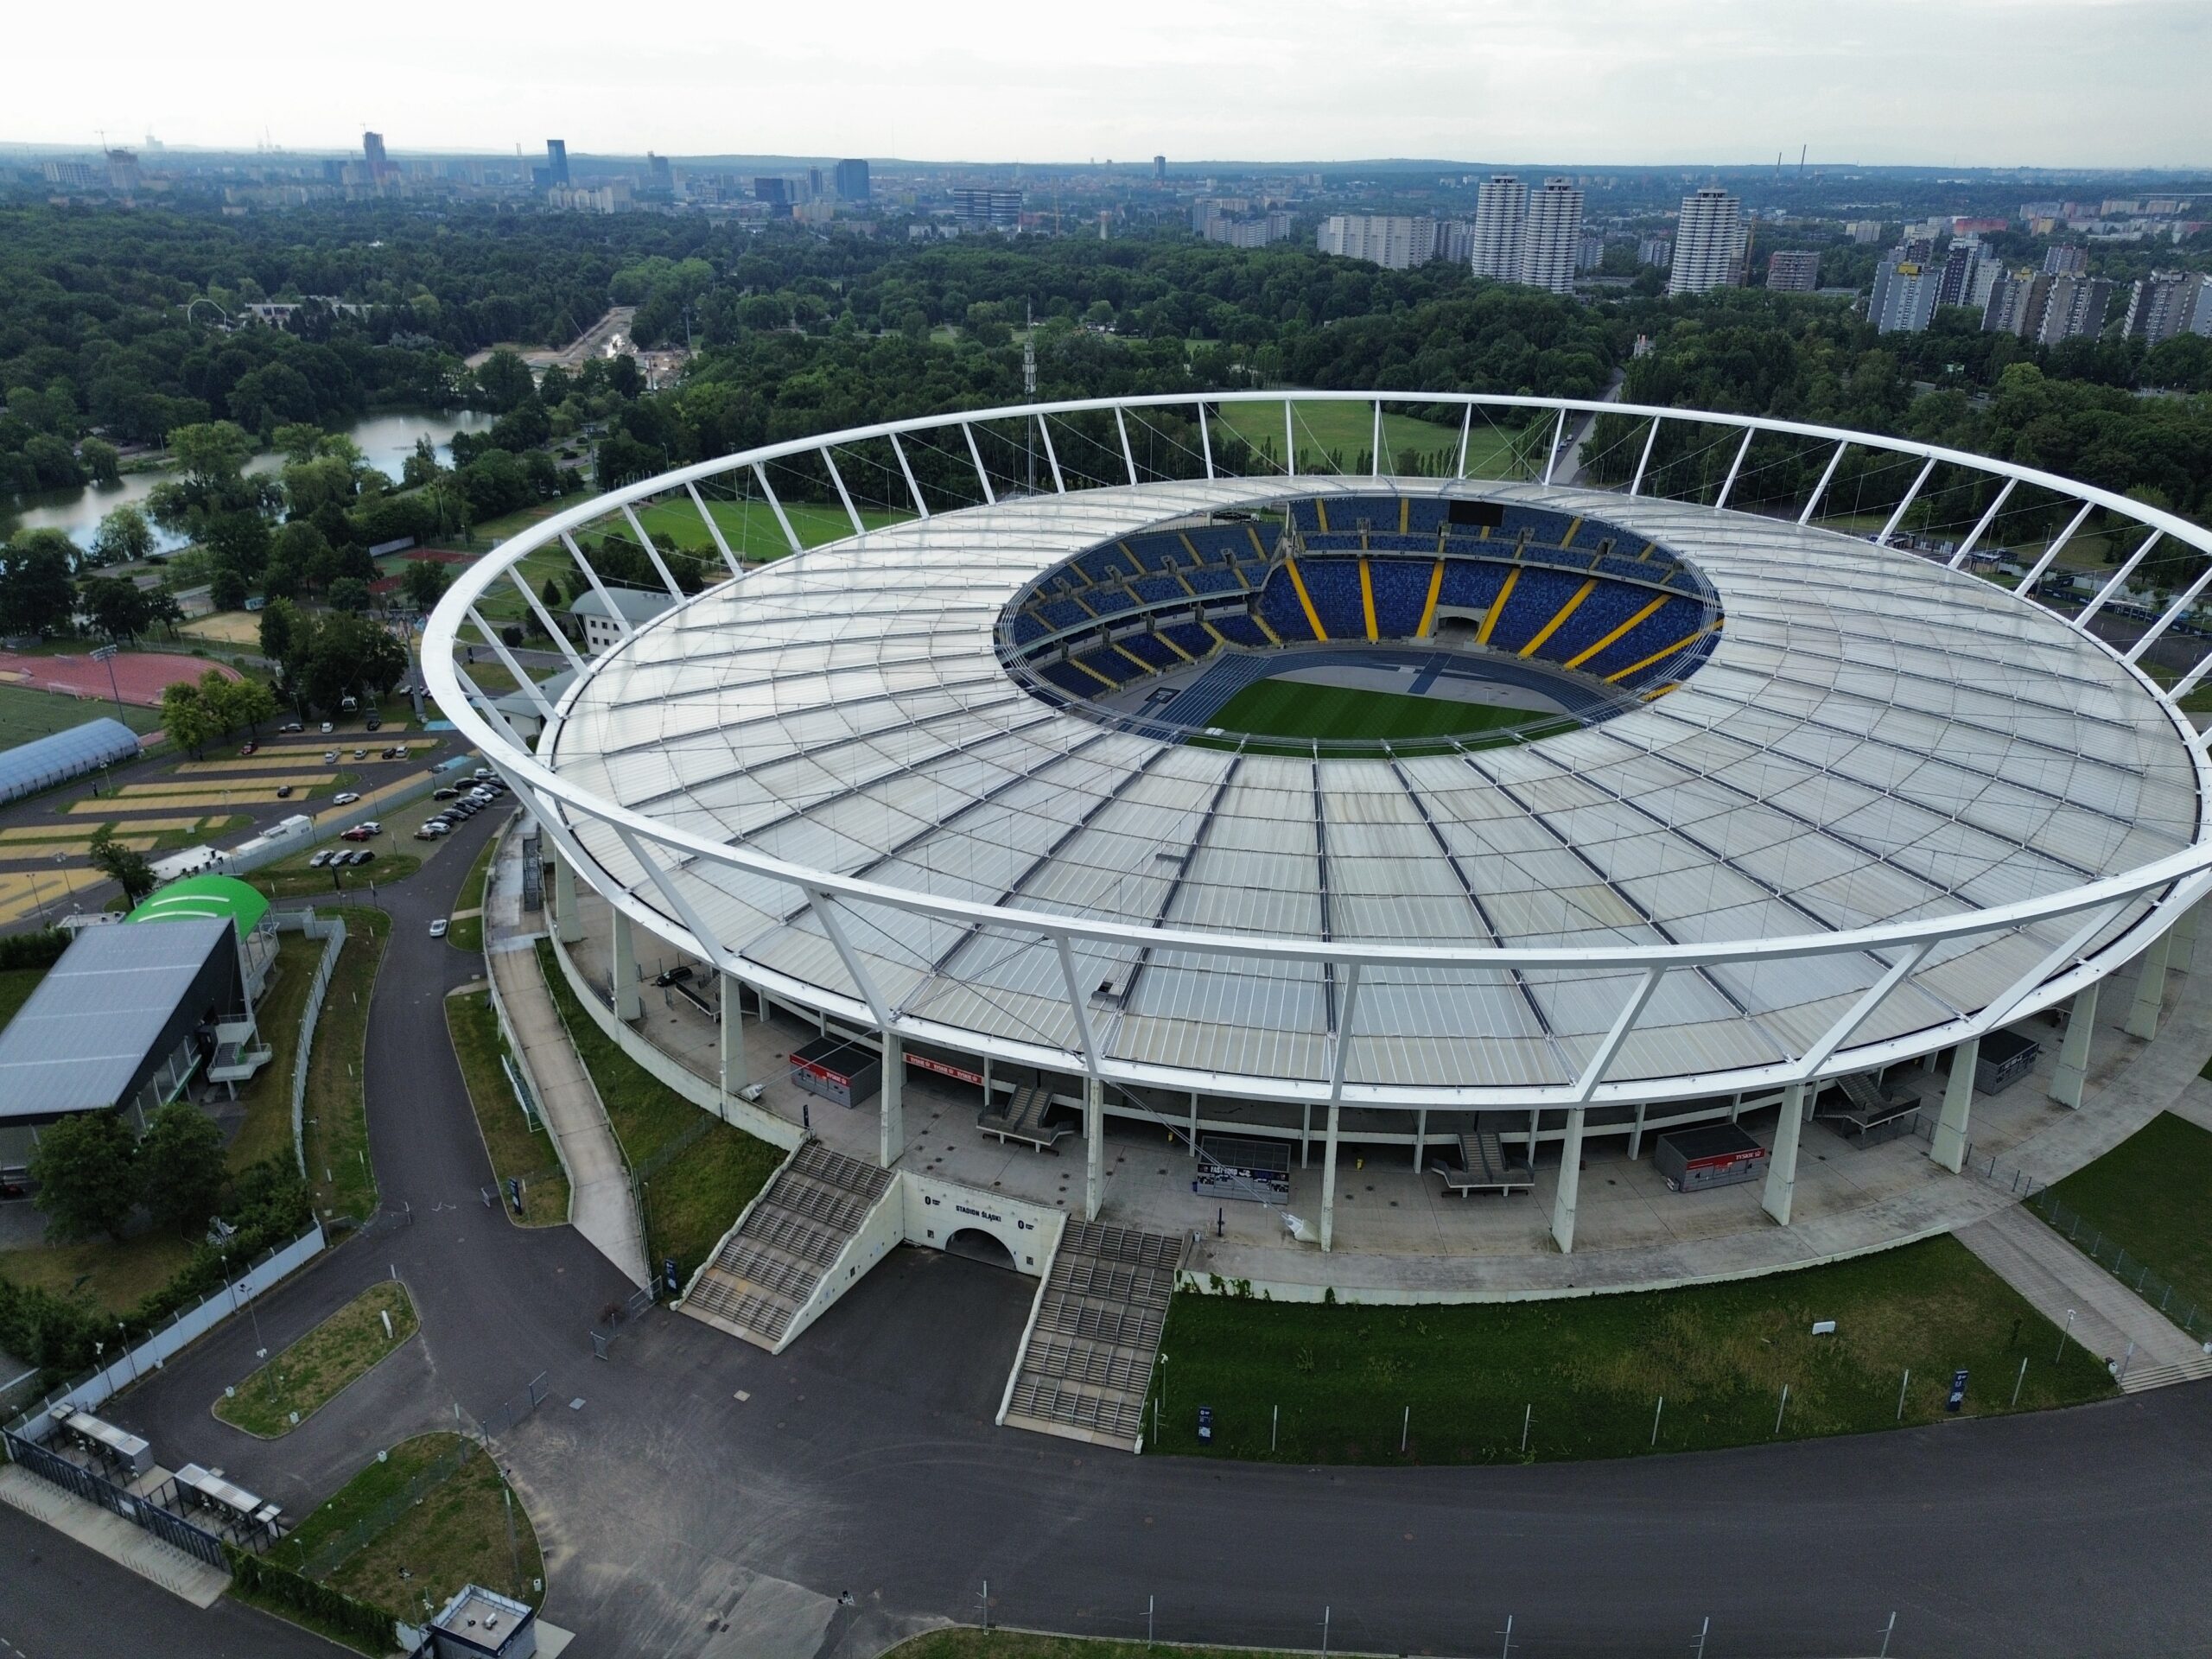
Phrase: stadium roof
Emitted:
{"points": [[86, 1033], [205, 895], [44, 761], [1874, 740]]}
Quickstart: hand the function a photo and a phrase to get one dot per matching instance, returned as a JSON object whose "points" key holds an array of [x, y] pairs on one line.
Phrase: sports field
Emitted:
{"points": [[1297, 709], [1332, 437], [26, 713]]}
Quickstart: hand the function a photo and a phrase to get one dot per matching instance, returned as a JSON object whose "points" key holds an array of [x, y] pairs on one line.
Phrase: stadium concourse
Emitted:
{"points": [[930, 849]]}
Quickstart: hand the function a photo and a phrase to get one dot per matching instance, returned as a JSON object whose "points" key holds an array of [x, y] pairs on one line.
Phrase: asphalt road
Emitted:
{"points": [[681, 1519]]}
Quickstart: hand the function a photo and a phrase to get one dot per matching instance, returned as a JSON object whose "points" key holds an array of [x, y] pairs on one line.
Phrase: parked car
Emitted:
{"points": [[322, 858], [396, 751], [428, 832], [445, 793], [283, 792], [364, 857], [330, 756], [355, 834], [370, 826], [374, 723], [289, 726], [481, 774], [344, 798], [439, 827], [360, 754], [327, 728], [438, 928], [676, 976], [245, 749]]}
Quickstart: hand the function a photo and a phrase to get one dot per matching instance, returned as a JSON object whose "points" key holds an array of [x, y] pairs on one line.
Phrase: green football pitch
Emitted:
{"points": [[1293, 709]]}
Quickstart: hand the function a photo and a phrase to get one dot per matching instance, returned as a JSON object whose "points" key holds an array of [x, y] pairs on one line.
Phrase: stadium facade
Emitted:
{"points": [[1771, 805]]}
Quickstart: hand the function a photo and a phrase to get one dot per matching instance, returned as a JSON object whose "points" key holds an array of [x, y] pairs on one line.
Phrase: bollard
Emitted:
{"points": [[1654, 1420]]}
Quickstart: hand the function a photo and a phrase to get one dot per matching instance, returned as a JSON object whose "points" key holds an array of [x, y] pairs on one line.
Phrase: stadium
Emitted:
{"points": [[1464, 868]]}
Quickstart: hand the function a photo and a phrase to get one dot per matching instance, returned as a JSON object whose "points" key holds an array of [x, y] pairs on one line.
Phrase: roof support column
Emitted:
{"points": [[1340, 1060], [1635, 1134], [1559, 436], [568, 920], [1643, 459], [1421, 1137], [736, 1077], [1728, 484], [2150, 989], [1329, 1179], [1570, 1181], [1948, 1146], [2074, 1051], [1813, 501], [891, 1141], [2184, 960], [628, 1007], [1782, 1167], [1094, 1147], [1905, 506]]}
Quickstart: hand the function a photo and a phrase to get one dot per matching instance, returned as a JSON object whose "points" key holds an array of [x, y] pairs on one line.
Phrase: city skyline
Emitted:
{"points": [[2087, 84]]}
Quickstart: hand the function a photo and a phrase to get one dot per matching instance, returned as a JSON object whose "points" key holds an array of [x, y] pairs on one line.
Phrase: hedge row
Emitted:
{"points": [[41, 950], [333, 1612]]}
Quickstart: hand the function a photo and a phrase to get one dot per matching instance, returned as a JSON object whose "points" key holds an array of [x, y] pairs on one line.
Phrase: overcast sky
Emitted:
{"points": [[2104, 83]]}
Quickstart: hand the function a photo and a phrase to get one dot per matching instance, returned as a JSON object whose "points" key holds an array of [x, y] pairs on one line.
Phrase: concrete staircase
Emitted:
{"points": [[791, 1253], [1086, 1359], [2141, 1378]]}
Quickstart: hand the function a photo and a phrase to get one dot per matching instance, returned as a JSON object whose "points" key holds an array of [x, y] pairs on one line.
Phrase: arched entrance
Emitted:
{"points": [[977, 1245]]}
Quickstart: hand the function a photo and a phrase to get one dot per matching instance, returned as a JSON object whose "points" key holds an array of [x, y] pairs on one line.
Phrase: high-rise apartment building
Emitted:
{"points": [[2016, 302], [2075, 308], [1393, 241], [2168, 302], [1969, 269], [1159, 169], [1793, 271], [2066, 260], [557, 161], [1553, 237], [1501, 220], [1904, 295], [659, 176], [1655, 251], [1708, 243], [1864, 232], [852, 181]]}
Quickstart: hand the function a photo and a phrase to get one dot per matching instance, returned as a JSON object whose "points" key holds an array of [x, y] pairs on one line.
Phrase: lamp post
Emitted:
{"points": [[60, 863], [107, 654]]}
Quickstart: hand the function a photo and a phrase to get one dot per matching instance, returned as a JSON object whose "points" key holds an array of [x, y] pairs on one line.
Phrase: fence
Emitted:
{"points": [[334, 934], [514, 1409], [144, 1510], [614, 1316], [2131, 1270], [185, 1327], [329, 1552], [1982, 1166]]}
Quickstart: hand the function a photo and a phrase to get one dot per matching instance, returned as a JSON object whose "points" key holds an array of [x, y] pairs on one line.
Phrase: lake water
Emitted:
{"points": [[386, 441]]}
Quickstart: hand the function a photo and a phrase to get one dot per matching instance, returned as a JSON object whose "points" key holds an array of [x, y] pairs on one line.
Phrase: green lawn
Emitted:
{"points": [[116, 1276], [1293, 709], [1590, 1371], [336, 1126], [436, 1509], [692, 1199], [515, 1149], [292, 1386], [2152, 1195], [1333, 437], [293, 879], [267, 1131], [26, 713]]}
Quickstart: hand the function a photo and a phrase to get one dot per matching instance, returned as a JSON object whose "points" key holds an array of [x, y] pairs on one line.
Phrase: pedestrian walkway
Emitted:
{"points": [[2074, 1294], [110, 1536], [600, 1203]]}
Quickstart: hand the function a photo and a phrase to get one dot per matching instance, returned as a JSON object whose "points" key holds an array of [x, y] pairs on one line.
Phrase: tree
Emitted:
{"points": [[87, 1171], [127, 868], [349, 595], [186, 717], [214, 452], [349, 655], [124, 537], [227, 590], [36, 595], [252, 702], [117, 607], [280, 621], [297, 440], [424, 581], [505, 380], [101, 459], [550, 596], [181, 1168]]}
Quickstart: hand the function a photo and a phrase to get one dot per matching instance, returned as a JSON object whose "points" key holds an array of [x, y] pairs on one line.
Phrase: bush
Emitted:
{"points": [[41, 950], [261, 1580]]}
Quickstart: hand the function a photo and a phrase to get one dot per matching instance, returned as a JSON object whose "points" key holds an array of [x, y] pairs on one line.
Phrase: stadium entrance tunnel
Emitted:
{"points": [[976, 1245], [1385, 622]]}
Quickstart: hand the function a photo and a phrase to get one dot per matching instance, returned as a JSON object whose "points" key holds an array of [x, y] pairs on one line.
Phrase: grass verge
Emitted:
{"points": [[320, 1365], [516, 1150], [434, 1509], [2148, 1194], [295, 881], [1589, 1373], [336, 1127], [966, 1643], [467, 932], [118, 1277], [267, 1098], [695, 1182]]}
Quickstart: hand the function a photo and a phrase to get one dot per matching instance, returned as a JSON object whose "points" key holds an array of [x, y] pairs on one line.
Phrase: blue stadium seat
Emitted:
{"points": [[1027, 628], [1109, 602], [1471, 584], [1158, 590], [1062, 612], [1401, 594], [1425, 515], [1212, 579], [1239, 631], [1671, 623], [1111, 662], [1071, 679], [1333, 586], [1153, 652], [1278, 604], [1537, 597], [1305, 515], [1194, 639], [1333, 542], [1610, 605]]}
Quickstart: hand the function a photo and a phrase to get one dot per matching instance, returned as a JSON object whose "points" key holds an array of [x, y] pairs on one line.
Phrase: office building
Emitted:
{"points": [[986, 209], [851, 178], [372, 154], [1793, 271], [1159, 169], [1393, 241], [659, 176], [1708, 243], [1501, 222], [1552, 237], [1904, 295], [2168, 302], [2075, 309], [556, 163]]}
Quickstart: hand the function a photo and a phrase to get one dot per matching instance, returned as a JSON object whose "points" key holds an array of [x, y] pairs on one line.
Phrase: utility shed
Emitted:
{"points": [[480, 1624]]}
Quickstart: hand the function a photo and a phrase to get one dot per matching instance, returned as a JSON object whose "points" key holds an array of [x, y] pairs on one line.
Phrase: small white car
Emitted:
{"points": [[330, 756], [438, 928], [346, 799]]}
